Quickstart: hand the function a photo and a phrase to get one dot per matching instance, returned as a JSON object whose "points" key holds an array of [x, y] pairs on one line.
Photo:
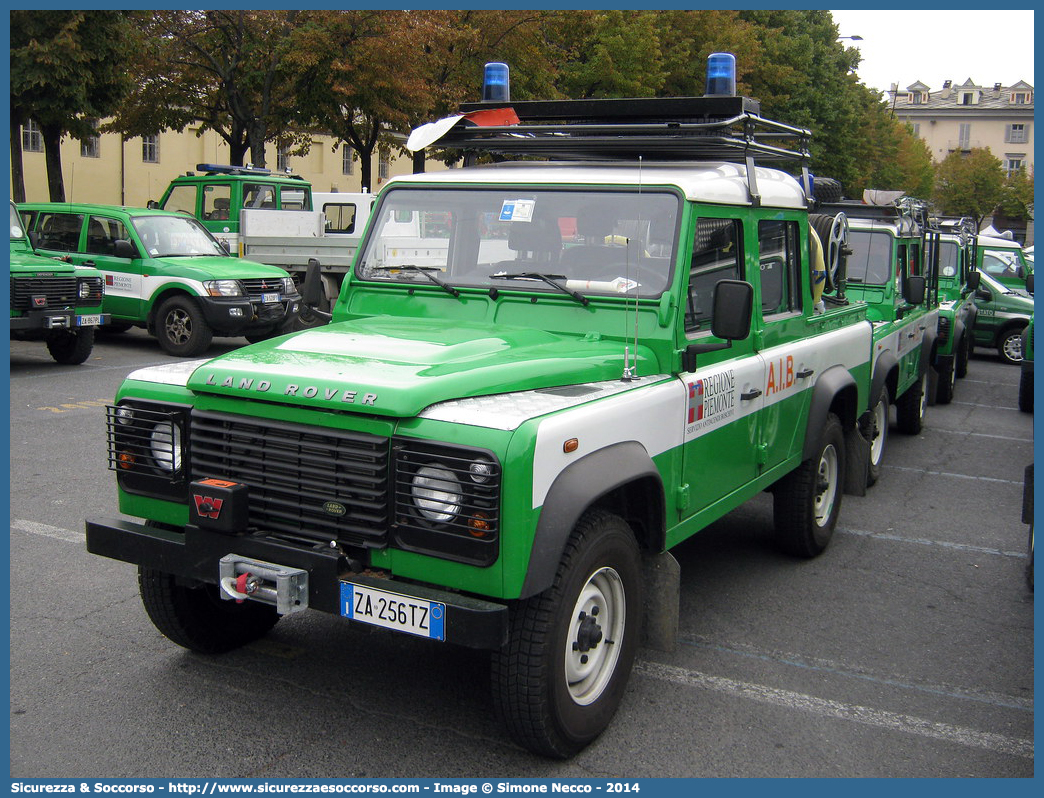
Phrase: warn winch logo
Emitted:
{"points": [[207, 507]]}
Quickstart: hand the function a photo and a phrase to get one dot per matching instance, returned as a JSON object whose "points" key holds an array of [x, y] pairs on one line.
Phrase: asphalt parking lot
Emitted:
{"points": [[905, 650]]}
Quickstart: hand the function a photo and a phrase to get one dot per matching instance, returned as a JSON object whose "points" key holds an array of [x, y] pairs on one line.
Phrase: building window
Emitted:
{"points": [[916, 98], [964, 137], [32, 138], [347, 162], [282, 160], [1021, 97], [916, 126], [1015, 134], [1013, 163], [90, 147], [968, 98], [383, 168], [150, 149]]}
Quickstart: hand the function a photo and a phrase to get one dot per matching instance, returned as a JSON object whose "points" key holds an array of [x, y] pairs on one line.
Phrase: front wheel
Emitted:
{"points": [[947, 383], [71, 347], [1009, 346], [878, 435], [963, 355], [560, 678], [806, 502], [197, 617], [180, 327], [910, 407]]}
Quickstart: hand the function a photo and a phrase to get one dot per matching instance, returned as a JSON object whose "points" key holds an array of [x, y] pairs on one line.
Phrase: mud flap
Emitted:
{"points": [[857, 462], [662, 577]]}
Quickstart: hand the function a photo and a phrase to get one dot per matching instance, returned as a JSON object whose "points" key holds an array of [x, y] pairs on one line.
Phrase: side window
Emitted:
{"points": [[60, 231], [780, 266], [901, 268], [717, 254], [258, 195], [915, 259], [217, 200], [294, 199], [102, 235], [340, 217], [181, 198]]}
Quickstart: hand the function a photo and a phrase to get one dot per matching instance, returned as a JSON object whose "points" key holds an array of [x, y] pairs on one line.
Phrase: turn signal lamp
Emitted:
{"points": [[721, 75], [126, 460], [496, 84], [479, 525]]}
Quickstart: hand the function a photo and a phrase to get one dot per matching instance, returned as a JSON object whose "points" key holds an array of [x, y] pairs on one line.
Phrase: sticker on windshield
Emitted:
{"points": [[517, 210]]}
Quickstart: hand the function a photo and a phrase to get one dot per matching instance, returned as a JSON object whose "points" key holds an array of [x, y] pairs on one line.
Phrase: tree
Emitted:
{"points": [[66, 71], [1017, 195], [225, 70], [969, 184]]}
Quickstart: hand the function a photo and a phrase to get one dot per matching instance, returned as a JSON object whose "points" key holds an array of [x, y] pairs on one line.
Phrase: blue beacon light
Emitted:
{"points": [[721, 75], [496, 85]]}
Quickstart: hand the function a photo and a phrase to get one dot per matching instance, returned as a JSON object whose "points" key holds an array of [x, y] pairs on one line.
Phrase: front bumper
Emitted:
{"points": [[195, 554], [238, 315], [55, 320]]}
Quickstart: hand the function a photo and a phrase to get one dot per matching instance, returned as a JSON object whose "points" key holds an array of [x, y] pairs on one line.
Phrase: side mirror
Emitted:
{"points": [[984, 293], [312, 289], [1029, 282], [914, 290], [974, 278], [122, 248], [226, 246], [152, 204], [733, 303]]}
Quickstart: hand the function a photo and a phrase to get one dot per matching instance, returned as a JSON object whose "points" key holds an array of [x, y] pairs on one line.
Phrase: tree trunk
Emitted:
{"points": [[17, 170], [236, 153], [52, 140], [418, 162]]}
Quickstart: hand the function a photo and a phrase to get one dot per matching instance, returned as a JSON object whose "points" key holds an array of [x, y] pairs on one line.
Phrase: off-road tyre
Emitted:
{"points": [[197, 618], [877, 437], [911, 406], [181, 328], [71, 347], [947, 382], [257, 336], [307, 319], [963, 356], [807, 501], [1026, 392], [560, 678], [1009, 345]]}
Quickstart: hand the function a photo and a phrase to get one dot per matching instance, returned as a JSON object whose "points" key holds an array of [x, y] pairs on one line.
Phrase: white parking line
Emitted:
{"points": [[868, 716], [945, 544], [47, 531], [954, 476]]}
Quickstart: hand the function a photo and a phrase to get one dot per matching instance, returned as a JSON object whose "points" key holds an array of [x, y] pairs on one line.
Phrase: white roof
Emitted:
{"points": [[998, 243], [711, 181]]}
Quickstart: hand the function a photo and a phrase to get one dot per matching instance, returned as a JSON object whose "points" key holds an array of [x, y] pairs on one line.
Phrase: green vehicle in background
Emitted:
{"points": [[886, 270], [1026, 378], [957, 281], [1004, 260], [1002, 315], [53, 300]]}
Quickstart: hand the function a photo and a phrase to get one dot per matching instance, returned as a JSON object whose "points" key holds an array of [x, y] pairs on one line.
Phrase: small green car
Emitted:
{"points": [[53, 301], [1004, 260], [1003, 314], [165, 272]]}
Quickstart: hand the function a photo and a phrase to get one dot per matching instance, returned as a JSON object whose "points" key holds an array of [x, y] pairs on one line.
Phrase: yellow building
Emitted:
{"points": [[113, 170]]}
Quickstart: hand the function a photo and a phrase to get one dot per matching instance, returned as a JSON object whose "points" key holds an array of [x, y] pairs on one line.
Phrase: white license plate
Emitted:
{"points": [[268, 298], [88, 321], [393, 611]]}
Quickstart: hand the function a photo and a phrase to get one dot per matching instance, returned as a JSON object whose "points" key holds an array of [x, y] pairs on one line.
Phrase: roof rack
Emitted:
{"points": [[680, 128], [222, 169]]}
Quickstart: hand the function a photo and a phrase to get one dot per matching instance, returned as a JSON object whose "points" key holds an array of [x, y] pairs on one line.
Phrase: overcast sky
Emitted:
{"points": [[932, 46]]}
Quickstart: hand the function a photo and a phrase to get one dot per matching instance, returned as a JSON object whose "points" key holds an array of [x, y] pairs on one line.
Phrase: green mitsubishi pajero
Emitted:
{"points": [[567, 368]]}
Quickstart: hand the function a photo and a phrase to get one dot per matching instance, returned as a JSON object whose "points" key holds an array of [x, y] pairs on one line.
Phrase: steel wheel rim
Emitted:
{"points": [[826, 487], [880, 430], [595, 635], [1013, 347]]}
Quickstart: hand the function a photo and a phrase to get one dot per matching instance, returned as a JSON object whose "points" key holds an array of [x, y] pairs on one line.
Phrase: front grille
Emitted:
{"points": [[944, 329], [97, 291], [60, 292], [313, 484], [259, 285]]}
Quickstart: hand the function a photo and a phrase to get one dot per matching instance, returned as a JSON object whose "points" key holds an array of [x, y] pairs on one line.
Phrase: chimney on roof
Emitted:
{"points": [[996, 88], [947, 85]]}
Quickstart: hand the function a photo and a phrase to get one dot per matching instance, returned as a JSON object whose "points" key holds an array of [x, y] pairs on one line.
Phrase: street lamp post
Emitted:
{"points": [[855, 38]]}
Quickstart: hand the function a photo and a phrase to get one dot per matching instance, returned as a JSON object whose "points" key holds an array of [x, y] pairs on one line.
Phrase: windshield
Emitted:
{"points": [[1000, 264], [175, 236], [871, 258], [16, 224], [612, 242], [948, 259]]}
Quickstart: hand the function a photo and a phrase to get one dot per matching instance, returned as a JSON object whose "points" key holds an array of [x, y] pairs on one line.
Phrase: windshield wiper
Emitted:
{"points": [[425, 270], [546, 278]]}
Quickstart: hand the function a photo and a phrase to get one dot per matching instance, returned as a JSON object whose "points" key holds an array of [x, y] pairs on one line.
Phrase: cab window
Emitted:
{"points": [[340, 217], [217, 201], [60, 231], [258, 195], [780, 266], [102, 235], [181, 198], [716, 255], [294, 199]]}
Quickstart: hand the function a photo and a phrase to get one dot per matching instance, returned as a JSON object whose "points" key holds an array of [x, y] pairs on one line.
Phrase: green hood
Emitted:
{"points": [[397, 367], [205, 267], [25, 261]]}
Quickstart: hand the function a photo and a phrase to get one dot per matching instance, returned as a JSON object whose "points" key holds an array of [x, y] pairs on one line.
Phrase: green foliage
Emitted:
{"points": [[969, 184], [1017, 195]]}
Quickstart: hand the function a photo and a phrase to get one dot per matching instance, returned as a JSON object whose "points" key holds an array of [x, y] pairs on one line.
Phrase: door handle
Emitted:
{"points": [[754, 394], [90, 263], [805, 374]]}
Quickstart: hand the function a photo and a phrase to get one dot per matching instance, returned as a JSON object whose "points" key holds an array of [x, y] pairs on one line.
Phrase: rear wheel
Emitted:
{"points": [[963, 355], [806, 502], [71, 347], [1009, 346], [197, 617], [910, 407], [947, 383], [560, 678], [180, 327]]}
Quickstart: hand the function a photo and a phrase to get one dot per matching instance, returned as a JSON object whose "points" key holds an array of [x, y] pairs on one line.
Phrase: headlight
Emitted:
{"points": [[288, 286], [165, 444], [436, 492], [223, 288], [85, 289]]}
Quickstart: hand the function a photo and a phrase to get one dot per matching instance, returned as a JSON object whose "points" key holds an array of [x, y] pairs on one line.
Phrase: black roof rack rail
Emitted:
{"points": [[656, 129]]}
